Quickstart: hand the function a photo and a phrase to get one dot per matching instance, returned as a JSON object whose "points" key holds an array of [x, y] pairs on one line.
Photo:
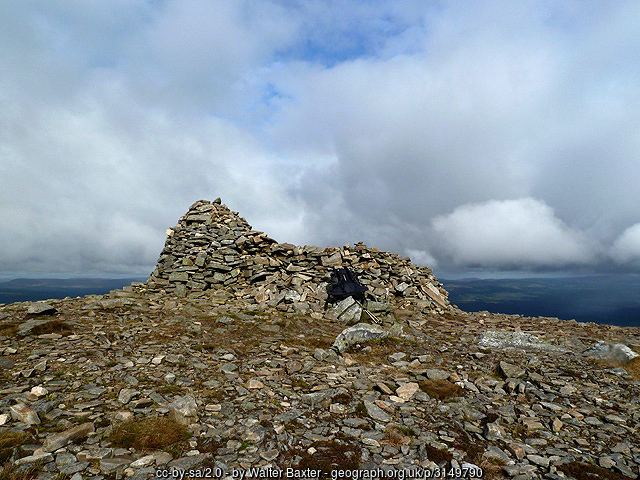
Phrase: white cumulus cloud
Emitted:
{"points": [[521, 233], [626, 249]]}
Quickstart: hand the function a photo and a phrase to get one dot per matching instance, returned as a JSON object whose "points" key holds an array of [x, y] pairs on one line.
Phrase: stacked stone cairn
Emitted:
{"points": [[213, 248]]}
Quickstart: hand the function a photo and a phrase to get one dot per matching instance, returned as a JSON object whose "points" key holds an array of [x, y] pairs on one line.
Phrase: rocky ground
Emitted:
{"points": [[138, 385]]}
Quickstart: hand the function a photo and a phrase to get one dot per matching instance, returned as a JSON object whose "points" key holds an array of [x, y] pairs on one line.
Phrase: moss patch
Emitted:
{"points": [[377, 351], [361, 410], [171, 388]]}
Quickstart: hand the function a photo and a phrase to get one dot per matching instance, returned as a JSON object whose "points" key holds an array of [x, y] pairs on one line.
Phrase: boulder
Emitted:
{"points": [[25, 328], [24, 414], [502, 340], [616, 351], [184, 410], [361, 332]]}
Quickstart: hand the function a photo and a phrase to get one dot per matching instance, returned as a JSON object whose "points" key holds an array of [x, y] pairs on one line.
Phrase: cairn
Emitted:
{"points": [[212, 247]]}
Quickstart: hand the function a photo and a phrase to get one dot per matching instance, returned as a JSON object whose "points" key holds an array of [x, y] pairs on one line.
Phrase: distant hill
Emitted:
{"points": [[606, 299], [33, 289]]}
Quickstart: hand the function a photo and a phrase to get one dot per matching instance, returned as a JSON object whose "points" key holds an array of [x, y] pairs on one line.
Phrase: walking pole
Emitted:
{"points": [[373, 317]]}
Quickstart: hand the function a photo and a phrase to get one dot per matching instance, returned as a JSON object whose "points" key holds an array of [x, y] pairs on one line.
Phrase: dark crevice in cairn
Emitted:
{"points": [[212, 247]]}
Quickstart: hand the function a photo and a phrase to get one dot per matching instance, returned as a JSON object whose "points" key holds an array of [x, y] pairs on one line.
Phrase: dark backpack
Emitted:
{"points": [[344, 283]]}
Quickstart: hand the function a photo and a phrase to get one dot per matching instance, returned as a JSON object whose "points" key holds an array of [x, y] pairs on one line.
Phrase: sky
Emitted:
{"points": [[487, 136]]}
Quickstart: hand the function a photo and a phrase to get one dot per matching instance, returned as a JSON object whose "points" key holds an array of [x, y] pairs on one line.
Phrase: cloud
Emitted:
{"points": [[422, 257], [477, 115], [106, 176], [521, 233], [626, 249], [322, 123], [201, 54], [401, 133]]}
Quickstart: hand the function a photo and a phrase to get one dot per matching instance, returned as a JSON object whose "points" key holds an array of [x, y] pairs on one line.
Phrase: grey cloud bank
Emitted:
{"points": [[500, 135]]}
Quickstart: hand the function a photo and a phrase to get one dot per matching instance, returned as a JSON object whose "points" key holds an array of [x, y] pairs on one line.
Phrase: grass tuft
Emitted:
{"points": [[633, 368], [54, 326], [23, 472], [171, 388], [157, 433], [343, 398], [9, 440], [397, 436], [9, 329], [441, 389], [491, 467], [585, 471], [331, 456], [436, 455]]}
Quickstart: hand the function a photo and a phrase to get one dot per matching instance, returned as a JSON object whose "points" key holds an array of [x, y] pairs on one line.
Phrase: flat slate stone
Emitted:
{"points": [[26, 327], [6, 363], [186, 463], [184, 409], [41, 308], [42, 457], [511, 371], [111, 465], [376, 412], [407, 390], [74, 467], [436, 374], [25, 414], [73, 434]]}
